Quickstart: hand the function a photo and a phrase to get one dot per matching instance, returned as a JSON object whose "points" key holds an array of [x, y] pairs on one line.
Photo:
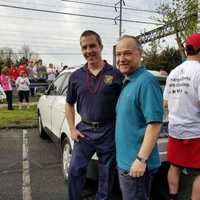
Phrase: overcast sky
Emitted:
{"points": [[56, 36]]}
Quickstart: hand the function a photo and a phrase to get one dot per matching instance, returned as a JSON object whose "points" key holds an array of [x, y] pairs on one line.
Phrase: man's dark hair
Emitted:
{"points": [[191, 51], [89, 33]]}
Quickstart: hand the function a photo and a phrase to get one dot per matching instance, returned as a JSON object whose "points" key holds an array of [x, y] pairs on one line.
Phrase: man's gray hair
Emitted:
{"points": [[138, 43]]}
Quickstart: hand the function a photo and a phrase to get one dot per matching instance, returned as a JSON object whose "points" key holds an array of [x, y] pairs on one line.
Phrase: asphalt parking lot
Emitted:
{"points": [[46, 181], [30, 168]]}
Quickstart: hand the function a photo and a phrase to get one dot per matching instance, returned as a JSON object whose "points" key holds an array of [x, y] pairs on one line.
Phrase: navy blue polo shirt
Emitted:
{"points": [[96, 96]]}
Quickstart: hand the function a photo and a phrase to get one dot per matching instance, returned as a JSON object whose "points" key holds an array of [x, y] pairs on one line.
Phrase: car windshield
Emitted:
{"points": [[65, 83]]}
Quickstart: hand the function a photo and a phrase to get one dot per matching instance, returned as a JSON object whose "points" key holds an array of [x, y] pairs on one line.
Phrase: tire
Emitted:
{"points": [[41, 130], [66, 158]]}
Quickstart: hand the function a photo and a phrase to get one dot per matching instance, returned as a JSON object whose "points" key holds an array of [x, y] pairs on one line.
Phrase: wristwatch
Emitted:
{"points": [[142, 160]]}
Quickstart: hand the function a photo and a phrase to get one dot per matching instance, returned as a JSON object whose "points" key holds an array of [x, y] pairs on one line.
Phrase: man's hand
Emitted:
{"points": [[76, 135], [137, 169]]}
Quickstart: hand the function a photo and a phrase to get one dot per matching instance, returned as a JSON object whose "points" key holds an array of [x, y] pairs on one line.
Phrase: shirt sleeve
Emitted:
{"points": [[151, 101], [166, 90], [197, 85], [199, 92], [28, 82], [71, 92], [17, 81]]}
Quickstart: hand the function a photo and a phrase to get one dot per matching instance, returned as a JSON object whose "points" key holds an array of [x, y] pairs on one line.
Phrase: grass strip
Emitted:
{"points": [[16, 117]]}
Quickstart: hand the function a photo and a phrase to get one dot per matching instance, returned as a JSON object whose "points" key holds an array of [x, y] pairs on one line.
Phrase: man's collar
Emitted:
{"points": [[106, 67], [136, 73]]}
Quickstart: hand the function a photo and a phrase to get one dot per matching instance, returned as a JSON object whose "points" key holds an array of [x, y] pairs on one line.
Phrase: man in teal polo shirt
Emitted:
{"points": [[138, 122]]}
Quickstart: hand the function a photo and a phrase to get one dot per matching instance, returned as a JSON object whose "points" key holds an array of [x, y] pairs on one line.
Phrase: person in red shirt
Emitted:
{"points": [[23, 67], [13, 72]]}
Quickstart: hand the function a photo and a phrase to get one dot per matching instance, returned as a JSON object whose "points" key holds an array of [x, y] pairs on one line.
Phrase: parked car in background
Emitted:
{"points": [[52, 122]]}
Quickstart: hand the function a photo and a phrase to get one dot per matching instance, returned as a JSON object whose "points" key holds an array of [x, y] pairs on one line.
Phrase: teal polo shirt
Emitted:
{"points": [[139, 104]]}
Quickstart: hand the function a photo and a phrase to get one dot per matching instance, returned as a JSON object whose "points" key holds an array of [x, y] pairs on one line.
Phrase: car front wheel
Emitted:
{"points": [[66, 157], [41, 130]]}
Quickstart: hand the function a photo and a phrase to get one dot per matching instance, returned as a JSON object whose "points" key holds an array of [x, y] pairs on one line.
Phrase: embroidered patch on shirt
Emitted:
{"points": [[108, 79]]}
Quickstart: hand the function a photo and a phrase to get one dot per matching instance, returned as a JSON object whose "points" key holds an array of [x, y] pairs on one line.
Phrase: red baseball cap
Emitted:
{"points": [[22, 72], [193, 40]]}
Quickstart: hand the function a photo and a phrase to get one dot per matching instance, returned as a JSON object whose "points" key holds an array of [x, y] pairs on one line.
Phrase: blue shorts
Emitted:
{"points": [[191, 171], [137, 188]]}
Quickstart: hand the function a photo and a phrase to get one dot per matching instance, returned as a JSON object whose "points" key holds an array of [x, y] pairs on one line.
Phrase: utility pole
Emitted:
{"points": [[119, 17]]}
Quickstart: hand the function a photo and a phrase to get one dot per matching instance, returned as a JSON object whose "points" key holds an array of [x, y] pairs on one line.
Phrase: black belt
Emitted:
{"points": [[94, 124]]}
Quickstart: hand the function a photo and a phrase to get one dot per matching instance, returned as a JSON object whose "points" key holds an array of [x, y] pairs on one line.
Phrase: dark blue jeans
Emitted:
{"points": [[134, 188], [9, 98], [101, 141]]}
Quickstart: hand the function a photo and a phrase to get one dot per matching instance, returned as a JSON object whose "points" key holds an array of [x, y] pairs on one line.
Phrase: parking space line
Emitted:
{"points": [[26, 185]]}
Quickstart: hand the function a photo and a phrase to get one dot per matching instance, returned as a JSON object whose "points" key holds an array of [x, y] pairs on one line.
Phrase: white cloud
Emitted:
{"points": [[54, 34]]}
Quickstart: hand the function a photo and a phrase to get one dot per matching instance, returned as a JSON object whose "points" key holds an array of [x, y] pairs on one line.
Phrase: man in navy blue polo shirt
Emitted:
{"points": [[139, 114], [95, 89]]}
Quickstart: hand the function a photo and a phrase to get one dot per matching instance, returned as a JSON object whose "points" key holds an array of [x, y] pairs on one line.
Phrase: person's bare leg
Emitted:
{"points": [[27, 105], [23, 105], [20, 105], [173, 181], [196, 189]]}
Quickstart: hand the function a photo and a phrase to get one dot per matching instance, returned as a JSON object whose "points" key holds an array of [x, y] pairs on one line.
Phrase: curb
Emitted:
{"points": [[20, 126], [4, 105]]}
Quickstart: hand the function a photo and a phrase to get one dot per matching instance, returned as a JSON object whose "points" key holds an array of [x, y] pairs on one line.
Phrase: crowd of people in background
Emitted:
{"points": [[121, 112], [20, 80]]}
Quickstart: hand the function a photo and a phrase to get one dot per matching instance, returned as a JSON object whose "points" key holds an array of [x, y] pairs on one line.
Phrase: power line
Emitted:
{"points": [[132, 14], [53, 5], [47, 20], [44, 45], [108, 6], [40, 42], [54, 20], [59, 54], [93, 4], [48, 37], [72, 14], [71, 54]]}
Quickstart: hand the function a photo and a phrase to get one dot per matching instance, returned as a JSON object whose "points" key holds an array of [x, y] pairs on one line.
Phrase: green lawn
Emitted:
{"points": [[17, 118]]}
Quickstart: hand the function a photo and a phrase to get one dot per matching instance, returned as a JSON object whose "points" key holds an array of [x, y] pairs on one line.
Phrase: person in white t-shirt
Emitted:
{"points": [[182, 97], [22, 84], [51, 73]]}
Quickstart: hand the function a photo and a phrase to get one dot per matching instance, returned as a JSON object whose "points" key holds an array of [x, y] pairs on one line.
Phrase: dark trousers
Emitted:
{"points": [[32, 91], [82, 153], [9, 99], [23, 95], [136, 188], [32, 88]]}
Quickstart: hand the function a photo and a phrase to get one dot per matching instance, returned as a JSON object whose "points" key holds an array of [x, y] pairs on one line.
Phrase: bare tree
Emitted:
{"points": [[7, 56], [26, 52]]}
